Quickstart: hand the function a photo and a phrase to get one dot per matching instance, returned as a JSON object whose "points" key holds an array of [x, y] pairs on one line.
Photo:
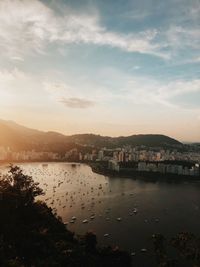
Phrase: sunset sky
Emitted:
{"points": [[111, 67]]}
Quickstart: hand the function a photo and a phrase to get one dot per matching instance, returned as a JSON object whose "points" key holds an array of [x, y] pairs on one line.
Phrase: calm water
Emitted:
{"points": [[162, 207]]}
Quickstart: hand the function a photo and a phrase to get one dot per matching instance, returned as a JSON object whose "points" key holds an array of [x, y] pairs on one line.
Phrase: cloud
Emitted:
{"points": [[85, 94], [195, 60], [29, 26], [18, 88], [136, 67], [66, 94], [21, 27], [74, 102], [125, 89], [16, 58], [179, 37], [56, 88], [10, 77], [149, 91]]}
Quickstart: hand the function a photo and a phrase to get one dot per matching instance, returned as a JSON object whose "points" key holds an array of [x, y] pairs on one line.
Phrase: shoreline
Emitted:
{"points": [[147, 176], [101, 168]]}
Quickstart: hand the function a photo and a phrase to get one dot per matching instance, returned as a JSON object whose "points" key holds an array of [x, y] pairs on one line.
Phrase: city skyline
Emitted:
{"points": [[102, 67]]}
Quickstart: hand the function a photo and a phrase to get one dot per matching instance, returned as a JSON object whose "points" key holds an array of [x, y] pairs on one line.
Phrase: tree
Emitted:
{"points": [[31, 235], [19, 188], [90, 241]]}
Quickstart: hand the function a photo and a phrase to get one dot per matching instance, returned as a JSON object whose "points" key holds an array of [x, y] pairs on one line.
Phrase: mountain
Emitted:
{"points": [[18, 137], [133, 140], [8, 136]]}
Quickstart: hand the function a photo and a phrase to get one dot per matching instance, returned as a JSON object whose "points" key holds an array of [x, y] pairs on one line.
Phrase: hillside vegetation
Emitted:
{"points": [[21, 138]]}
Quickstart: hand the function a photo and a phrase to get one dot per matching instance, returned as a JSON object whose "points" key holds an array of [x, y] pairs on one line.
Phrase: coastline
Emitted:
{"points": [[146, 176], [101, 168]]}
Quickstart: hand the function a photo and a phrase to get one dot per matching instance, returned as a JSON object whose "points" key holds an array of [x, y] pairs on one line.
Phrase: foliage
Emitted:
{"points": [[19, 188], [31, 235], [187, 250]]}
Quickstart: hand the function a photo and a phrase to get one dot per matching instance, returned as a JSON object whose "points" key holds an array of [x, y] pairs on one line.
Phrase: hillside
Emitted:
{"points": [[133, 140], [33, 235], [19, 137]]}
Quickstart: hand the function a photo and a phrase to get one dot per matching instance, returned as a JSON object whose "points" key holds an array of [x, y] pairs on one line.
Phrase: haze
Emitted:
{"points": [[106, 67]]}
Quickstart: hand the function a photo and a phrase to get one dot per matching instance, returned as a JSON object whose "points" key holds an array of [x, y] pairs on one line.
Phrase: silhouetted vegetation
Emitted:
{"points": [[31, 235], [186, 250]]}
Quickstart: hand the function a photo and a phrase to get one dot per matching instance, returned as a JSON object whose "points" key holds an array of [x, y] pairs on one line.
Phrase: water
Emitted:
{"points": [[167, 208]]}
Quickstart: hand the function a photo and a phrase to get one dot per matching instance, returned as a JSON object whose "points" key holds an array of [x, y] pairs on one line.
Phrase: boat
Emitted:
{"points": [[85, 221], [106, 235], [73, 164], [135, 211], [119, 219], [45, 165]]}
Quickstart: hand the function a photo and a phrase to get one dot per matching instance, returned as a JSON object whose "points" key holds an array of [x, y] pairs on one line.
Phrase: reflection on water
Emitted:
{"points": [[121, 211]]}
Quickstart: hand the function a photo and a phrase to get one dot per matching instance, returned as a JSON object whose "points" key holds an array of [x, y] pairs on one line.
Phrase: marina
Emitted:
{"points": [[122, 212]]}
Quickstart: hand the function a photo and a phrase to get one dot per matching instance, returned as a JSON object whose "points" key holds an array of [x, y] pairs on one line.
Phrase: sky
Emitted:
{"points": [[110, 67]]}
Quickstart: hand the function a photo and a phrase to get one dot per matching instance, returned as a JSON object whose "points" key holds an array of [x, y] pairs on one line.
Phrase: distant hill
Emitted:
{"points": [[133, 140], [20, 138]]}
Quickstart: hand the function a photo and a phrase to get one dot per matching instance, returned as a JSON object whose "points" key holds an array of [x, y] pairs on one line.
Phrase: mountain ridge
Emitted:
{"points": [[20, 137]]}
